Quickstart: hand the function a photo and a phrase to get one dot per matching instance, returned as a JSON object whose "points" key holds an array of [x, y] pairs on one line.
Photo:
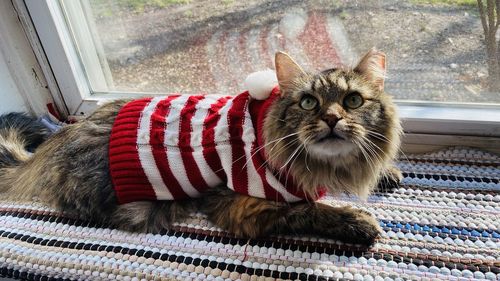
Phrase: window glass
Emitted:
{"points": [[436, 50]]}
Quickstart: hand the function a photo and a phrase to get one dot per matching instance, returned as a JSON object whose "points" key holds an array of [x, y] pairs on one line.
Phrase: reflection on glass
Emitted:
{"points": [[436, 49]]}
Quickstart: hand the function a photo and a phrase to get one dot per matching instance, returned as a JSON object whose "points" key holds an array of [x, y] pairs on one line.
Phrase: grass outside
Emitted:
{"points": [[136, 6], [109, 8], [465, 3]]}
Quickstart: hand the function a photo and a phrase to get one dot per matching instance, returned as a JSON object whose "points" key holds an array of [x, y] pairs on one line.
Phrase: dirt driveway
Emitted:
{"points": [[435, 52]]}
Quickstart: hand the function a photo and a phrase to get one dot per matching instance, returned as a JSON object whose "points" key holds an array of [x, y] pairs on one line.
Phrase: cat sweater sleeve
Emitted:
{"points": [[176, 147]]}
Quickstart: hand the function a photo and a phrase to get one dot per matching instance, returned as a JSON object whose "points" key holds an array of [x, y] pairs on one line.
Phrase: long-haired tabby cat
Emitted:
{"points": [[254, 167]]}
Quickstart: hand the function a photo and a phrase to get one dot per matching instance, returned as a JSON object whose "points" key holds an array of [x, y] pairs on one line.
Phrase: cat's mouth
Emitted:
{"points": [[331, 143], [330, 136]]}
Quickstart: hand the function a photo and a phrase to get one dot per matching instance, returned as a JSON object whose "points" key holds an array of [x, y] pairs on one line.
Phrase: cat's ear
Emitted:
{"points": [[372, 66], [287, 71]]}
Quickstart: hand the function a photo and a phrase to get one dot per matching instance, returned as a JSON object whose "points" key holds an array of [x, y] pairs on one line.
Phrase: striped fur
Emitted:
{"points": [[19, 134]]}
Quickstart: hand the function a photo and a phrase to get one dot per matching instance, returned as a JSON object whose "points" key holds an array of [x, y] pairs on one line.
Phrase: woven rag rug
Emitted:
{"points": [[441, 223]]}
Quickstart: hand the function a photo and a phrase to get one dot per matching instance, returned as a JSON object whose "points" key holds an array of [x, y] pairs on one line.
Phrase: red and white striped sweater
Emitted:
{"points": [[175, 147]]}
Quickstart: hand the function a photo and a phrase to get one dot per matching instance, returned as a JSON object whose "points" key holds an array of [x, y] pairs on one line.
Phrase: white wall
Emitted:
{"points": [[22, 84], [10, 97]]}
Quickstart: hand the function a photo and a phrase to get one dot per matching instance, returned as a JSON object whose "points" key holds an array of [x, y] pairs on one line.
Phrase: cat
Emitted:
{"points": [[334, 131]]}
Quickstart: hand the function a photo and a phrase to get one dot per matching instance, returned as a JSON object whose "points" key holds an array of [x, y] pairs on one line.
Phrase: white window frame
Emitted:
{"points": [[431, 123]]}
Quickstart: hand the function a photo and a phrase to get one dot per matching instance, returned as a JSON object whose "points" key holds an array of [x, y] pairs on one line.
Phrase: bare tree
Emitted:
{"points": [[490, 19]]}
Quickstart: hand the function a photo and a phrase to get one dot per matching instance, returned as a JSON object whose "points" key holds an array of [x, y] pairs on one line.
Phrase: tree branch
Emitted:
{"points": [[482, 15], [490, 7], [496, 8], [494, 30], [498, 11]]}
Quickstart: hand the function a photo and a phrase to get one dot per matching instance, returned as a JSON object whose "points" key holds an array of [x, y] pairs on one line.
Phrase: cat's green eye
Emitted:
{"points": [[308, 102], [353, 101]]}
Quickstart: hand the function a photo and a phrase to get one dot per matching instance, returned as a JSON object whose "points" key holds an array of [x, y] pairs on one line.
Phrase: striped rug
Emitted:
{"points": [[442, 223]]}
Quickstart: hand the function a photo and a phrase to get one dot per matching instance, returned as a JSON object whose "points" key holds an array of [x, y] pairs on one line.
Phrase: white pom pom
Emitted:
{"points": [[260, 84]]}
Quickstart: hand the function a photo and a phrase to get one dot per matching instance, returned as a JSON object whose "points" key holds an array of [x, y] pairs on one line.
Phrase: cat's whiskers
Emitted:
{"points": [[274, 146], [276, 118], [371, 145], [363, 143], [385, 139], [362, 149], [286, 162], [376, 160], [302, 146], [276, 141], [272, 157], [384, 172], [307, 165], [377, 135], [314, 192], [368, 158], [290, 157], [307, 151], [260, 148]]}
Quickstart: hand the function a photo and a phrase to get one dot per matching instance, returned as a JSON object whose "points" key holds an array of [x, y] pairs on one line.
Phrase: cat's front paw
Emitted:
{"points": [[347, 224], [360, 227]]}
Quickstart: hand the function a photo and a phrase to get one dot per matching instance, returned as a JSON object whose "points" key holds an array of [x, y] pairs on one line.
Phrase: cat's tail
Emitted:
{"points": [[20, 135]]}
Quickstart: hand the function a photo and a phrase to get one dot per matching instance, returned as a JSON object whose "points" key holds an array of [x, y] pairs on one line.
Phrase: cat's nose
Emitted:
{"points": [[331, 120]]}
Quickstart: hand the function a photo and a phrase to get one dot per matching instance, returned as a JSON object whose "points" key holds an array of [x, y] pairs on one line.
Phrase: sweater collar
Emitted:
{"points": [[259, 110]]}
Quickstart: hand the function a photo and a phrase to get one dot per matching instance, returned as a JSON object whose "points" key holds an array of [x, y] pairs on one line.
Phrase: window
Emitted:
{"points": [[437, 58]]}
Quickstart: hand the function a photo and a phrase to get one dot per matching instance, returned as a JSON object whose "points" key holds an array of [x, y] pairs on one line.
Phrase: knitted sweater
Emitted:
{"points": [[176, 147]]}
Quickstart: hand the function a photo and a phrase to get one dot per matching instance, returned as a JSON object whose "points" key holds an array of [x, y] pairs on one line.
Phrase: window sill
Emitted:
{"points": [[450, 119]]}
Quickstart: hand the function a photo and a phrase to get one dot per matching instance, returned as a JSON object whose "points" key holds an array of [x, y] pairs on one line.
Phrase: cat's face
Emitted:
{"points": [[338, 115], [334, 113]]}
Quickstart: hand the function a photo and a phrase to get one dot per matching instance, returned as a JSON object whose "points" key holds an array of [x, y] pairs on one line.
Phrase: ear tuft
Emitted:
{"points": [[260, 84], [373, 67]]}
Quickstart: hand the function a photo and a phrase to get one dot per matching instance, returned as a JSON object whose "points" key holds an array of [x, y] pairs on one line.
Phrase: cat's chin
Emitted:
{"points": [[328, 148]]}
